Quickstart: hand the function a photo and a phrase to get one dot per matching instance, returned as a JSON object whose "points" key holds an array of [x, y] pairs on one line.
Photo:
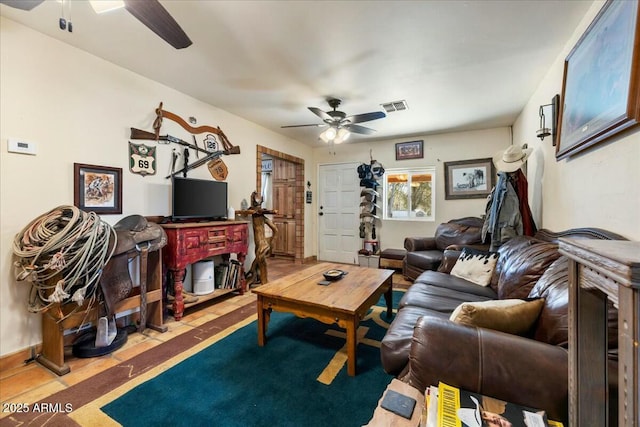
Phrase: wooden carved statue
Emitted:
{"points": [[258, 271]]}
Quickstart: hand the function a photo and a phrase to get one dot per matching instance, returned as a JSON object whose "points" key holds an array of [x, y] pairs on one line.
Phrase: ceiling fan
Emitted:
{"points": [[150, 12], [340, 125]]}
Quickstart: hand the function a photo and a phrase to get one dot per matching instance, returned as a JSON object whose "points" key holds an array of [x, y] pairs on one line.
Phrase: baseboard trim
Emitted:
{"points": [[17, 359]]}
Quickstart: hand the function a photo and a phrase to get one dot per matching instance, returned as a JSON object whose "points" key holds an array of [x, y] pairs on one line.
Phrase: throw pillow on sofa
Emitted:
{"points": [[521, 270], [475, 266], [513, 316]]}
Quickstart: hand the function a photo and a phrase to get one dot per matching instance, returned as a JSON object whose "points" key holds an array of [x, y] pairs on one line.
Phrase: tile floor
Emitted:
{"points": [[32, 382]]}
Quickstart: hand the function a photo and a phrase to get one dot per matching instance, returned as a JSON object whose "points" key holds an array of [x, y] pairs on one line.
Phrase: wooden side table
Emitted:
{"points": [[601, 270]]}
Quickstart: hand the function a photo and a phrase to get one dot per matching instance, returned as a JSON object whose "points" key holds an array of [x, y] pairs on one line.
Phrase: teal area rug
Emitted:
{"points": [[233, 382]]}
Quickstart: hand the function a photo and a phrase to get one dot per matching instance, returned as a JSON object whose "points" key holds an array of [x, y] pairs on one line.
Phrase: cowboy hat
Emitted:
{"points": [[511, 159]]}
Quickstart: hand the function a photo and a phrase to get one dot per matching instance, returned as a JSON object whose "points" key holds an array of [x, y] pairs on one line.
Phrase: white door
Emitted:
{"points": [[338, 213]]}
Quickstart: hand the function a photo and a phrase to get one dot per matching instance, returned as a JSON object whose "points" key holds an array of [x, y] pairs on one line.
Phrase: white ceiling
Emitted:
{"points": [[460, 65]]}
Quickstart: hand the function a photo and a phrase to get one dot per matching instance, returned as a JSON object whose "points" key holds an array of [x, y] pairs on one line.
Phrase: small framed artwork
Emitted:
{"points": [[97, 188], [409, 150], [600, 89], [469, 179]]}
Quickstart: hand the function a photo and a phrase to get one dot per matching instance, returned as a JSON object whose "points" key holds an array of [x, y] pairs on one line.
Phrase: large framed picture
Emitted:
{"points": [[97, 188], [409, 150], [601, 85], [469, 179]]}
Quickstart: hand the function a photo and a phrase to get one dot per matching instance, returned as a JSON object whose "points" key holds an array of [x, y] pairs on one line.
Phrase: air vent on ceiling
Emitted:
{"points": [[395, 106]]}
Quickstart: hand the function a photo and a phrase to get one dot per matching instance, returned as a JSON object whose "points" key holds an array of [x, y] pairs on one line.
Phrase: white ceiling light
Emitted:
{"points": [[102, 6], [342, 136], [334, 135]]}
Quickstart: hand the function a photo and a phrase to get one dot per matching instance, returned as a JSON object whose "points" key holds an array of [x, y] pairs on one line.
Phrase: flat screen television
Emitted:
{"points": [[198, 199]]}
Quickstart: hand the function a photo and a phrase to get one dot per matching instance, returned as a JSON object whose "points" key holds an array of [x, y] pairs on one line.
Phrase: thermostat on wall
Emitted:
{"points": [[21, 146]]}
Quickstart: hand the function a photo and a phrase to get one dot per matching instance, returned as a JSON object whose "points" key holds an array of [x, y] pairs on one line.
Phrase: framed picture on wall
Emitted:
{"points": [[469, 179], [601, 85], [97, 188], [409, 150]]}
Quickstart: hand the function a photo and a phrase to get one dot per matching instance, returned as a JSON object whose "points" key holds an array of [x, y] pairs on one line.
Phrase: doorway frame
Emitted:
{"points": [[298, 193]]}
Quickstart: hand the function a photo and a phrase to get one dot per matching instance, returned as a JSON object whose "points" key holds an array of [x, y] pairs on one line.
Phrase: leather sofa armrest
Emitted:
{"points": [[504, 366], [449, 258], [412, 244]]}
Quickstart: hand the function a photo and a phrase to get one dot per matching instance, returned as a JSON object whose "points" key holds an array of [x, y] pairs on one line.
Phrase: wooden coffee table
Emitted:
{"points": [[343, 302]]}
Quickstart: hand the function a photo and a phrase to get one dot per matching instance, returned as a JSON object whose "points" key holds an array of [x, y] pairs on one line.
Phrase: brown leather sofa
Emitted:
{"points": [[426, 253], [423, 347]]}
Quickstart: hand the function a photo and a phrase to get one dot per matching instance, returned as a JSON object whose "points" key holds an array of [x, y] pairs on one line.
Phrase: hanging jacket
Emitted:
{"points": [[503, 220], [519, 182]]}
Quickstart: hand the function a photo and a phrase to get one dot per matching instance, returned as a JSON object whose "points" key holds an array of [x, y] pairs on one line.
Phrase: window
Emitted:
{"points": [[409, 194]]}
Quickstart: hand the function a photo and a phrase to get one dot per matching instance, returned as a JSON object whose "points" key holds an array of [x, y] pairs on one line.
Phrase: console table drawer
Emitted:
{"points": [[217, 237]]}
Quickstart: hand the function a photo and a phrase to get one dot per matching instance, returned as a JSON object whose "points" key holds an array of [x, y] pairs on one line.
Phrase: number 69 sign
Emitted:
{"points": [[142, 159]]}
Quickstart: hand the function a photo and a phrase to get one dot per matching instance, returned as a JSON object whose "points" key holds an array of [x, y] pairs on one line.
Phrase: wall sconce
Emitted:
{"points": [[545, 131]]}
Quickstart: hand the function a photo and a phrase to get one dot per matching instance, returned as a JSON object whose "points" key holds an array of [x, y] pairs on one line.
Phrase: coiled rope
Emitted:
{"points": [[62, 253]]}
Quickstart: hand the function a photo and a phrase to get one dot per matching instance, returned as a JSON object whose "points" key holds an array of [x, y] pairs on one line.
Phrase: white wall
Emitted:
{"points": [[79, 108], [438, 149], [597, 188]]}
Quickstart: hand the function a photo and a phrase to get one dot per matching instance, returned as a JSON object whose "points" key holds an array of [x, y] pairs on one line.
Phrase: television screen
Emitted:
{"points": [[198, 199]]}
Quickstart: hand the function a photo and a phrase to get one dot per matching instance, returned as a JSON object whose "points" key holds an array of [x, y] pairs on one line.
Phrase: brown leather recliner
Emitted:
{"points": [[426, 253]]}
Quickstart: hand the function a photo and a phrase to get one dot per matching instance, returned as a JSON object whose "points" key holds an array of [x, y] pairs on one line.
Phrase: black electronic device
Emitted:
{"points": [[198, 199], [398, 403]]}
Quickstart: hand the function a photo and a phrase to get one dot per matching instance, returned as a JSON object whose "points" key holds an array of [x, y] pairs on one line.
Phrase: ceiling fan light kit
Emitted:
{"points": [[340, 125], [336, 136]]}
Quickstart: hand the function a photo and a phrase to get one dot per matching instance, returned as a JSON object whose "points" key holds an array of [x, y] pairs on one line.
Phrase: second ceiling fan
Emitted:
{"points": [[340, 125], [150, 12]]}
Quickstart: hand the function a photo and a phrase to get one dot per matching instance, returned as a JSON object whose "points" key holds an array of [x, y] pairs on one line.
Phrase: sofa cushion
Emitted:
{"points": [[553, 286], [396, 342], [506, 251], [523, 269], [447, 281], [513, 316], [442, 298], [475, 266]]}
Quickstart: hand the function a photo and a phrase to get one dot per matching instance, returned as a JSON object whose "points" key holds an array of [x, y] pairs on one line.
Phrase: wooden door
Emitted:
{"points": [[284, 199]]}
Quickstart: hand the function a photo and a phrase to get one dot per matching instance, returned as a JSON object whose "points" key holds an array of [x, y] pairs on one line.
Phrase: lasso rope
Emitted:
{"points": [[62, 253]]}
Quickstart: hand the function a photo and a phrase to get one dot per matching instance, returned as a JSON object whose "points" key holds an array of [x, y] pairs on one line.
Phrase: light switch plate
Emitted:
{"points": [[21, 146]]}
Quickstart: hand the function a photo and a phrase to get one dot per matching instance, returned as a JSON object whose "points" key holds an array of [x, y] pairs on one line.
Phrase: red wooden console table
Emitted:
{"points": [[190, 242]]}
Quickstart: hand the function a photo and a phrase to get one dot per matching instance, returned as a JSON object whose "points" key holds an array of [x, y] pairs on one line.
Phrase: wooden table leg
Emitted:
{"points": [[352, 342], [178, 302], [388, 297], [264, 315]]}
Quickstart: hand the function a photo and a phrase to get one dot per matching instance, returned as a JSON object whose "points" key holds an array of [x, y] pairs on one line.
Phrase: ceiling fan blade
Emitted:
{"points": [[323, 115], [22, 4], [152, 14], [317, 125], [366, 117], [358, 129]]}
